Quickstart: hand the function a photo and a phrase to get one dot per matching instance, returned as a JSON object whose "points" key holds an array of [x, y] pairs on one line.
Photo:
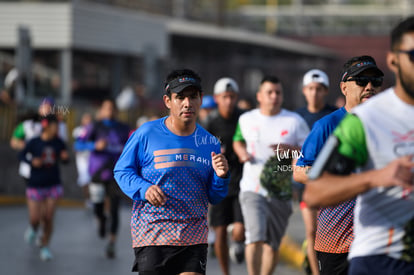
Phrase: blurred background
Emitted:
{"points": [[82, 51]]}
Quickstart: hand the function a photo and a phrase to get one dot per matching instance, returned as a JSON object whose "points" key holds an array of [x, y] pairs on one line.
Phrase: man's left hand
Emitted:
{"points": [[220, 164]]}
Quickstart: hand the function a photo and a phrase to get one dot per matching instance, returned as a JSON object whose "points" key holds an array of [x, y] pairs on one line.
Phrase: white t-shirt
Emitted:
{"points": [[382, 215], [260, 132]]}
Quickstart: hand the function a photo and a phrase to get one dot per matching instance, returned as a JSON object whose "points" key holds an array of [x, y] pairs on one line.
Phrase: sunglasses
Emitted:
{"points": [[410, 54], [364, 80]]}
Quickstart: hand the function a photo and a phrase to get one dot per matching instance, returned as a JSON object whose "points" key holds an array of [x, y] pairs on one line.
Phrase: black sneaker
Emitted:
{"points": [[110, 250]]}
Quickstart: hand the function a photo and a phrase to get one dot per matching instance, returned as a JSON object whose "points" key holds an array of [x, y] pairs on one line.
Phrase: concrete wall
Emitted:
{"points": [[49, 24], [84, 26], [116, 30]]}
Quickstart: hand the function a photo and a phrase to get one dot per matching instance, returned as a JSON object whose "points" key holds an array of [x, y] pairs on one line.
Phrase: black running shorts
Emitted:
{"points": [[226, 212], [333, 263], [170, 260]]}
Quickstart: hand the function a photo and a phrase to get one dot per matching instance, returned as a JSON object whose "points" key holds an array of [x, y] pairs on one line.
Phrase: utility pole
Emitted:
{"points": [[23, 87]]}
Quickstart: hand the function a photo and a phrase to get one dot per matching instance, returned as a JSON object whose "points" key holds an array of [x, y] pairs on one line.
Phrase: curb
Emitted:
{"points": [[291, 252], [20, 200]]}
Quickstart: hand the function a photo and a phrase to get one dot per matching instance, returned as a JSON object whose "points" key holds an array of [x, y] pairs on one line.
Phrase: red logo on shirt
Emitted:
{"points": [[398, 137], [284, 132], [404, 144]]}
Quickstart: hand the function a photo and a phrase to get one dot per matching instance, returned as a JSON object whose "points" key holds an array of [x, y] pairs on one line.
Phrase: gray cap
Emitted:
{"points": [[225, 84], [317, 76]]}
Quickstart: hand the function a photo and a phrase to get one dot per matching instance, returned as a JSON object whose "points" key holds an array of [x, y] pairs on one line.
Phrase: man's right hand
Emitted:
{"points": [[155, 196], [246, 158]]}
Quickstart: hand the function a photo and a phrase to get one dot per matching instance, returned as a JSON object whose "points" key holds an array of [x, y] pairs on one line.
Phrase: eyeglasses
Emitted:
{"points": [[364, 80], [410, 54]]}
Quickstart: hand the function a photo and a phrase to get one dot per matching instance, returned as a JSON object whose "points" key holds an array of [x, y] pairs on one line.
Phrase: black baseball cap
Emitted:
{"points": [[180, 83], [359, 67]]}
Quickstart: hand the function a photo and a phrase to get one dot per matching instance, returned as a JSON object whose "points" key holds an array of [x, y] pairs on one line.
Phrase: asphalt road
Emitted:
{"points": [[78, 250]]}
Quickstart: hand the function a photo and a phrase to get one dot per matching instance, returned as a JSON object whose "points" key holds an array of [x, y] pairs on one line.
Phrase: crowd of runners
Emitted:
{"points": [[223, 173]]}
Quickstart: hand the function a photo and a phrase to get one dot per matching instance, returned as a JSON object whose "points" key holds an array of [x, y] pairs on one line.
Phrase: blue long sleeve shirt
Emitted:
{"points": [[334, 232], [182, 167]]}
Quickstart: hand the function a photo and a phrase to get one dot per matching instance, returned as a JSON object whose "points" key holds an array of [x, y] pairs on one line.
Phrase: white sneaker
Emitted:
{"points": [[30, 236], [236, 252], [230, 229], [45, 254]]}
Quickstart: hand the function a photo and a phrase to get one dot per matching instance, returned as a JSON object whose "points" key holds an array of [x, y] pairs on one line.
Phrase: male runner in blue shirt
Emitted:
{"points": [[172, 168]]}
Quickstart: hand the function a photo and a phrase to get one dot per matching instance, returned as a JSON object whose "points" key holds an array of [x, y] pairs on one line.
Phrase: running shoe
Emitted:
{"points": [[45, 254], [30, 236], [39, 241], [236, 252], [110, 250]]}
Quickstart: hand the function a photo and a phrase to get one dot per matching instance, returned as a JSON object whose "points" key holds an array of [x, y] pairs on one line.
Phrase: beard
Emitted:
{"points": [[407, 83]]}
